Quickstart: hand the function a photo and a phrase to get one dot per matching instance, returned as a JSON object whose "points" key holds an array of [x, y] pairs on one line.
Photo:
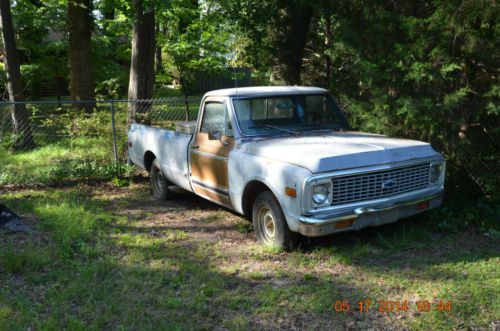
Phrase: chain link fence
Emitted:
{"points": [[61, 140], [51, 141], [50, 122]]}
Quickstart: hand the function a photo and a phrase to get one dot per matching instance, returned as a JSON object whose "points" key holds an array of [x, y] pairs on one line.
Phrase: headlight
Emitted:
{"points": [[435, 172], [320, 194]]}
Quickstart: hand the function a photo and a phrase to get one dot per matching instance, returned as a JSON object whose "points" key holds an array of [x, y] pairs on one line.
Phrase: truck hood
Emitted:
{"points": [[338, 150]]}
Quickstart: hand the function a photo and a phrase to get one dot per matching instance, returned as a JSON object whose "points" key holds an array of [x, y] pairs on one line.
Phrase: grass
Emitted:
{"points": [[66, 161], [111, 258], [167, 92]]}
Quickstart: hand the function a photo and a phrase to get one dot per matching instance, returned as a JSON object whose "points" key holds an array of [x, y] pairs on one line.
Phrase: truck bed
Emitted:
{"points": [[170, 147]]}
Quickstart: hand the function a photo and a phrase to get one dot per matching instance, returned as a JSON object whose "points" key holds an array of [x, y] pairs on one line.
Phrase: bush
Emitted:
{"points": [[30, 169], [87, 170], [37, 78], [483, 215]]}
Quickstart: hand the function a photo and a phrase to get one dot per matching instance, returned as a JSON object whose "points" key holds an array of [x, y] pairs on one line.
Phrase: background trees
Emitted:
{"points": [[426, 70], [288, 34], [79, 18], [142, 70], [20, 119]]}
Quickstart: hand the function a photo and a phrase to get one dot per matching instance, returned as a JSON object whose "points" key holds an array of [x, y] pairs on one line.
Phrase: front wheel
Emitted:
{"points": [[160, 185], [269, 223]]}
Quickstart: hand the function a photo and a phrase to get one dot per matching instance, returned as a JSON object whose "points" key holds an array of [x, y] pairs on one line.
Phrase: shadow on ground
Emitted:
{"points": [[188, 264]]}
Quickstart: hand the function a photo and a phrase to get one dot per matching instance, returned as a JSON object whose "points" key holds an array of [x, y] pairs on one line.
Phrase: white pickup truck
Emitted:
{"points": [[286, 158]]}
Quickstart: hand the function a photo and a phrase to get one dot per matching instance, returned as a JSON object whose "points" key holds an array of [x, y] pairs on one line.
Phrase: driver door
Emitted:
{"points": [[209, 153]]}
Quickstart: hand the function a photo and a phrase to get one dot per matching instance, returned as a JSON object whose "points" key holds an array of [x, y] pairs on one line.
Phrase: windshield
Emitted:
{"points": [[288, 113]]}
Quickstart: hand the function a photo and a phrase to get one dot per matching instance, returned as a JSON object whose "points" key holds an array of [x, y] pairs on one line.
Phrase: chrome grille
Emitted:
{"points": [[380, 184]]}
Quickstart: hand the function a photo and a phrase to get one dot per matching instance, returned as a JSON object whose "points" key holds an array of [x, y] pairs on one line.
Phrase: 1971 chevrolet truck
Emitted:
{"points": [[287, 159]]}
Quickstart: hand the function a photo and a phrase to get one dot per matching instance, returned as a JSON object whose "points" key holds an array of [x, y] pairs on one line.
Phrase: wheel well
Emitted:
{"points": [[252, 190], [148, 160]]}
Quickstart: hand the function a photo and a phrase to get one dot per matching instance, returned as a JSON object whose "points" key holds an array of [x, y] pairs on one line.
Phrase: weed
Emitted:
{"points": [[70, 160], [238, 322], [5, 312], [24, 259], [165, 277], [243, 226]]}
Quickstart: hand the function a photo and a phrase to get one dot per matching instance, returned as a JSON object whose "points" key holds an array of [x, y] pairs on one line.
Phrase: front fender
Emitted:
{"points": [[276, 175]]}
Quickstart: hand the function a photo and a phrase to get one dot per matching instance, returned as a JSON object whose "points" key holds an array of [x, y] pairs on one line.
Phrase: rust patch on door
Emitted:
{"points": [[209, 162]]}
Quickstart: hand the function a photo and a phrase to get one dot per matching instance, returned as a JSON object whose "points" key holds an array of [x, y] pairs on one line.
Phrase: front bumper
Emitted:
{"points": [[352, 220]]}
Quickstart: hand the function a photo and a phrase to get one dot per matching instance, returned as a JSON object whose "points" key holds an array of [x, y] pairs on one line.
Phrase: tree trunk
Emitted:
{"points": [[79, 25], [159, 63], [288, 37], [20, 119], [142, 73]]}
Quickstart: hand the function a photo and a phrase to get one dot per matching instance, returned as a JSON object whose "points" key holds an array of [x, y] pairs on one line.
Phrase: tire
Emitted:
{"points": [[269, 223], [160, 185], [129, 160]]}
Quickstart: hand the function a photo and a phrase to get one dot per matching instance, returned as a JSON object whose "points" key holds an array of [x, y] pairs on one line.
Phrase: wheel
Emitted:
{"points": [[269, 223], [129, 160], [160, 185]]}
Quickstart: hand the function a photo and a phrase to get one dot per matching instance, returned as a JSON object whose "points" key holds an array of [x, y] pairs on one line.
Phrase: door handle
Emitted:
{"points": [[224, 142], [195, 146]]}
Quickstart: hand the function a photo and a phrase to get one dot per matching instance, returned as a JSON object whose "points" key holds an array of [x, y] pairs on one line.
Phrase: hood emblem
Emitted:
{"points": [[388, 184]]}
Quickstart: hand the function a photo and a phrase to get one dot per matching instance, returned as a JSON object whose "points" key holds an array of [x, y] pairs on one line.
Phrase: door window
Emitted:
{"points": [[216, 118]]}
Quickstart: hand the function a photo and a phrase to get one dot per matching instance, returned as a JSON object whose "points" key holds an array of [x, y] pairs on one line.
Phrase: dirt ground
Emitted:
{"points": [[257, 288]]}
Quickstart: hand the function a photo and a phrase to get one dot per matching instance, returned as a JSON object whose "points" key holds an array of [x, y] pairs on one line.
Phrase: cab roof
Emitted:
{"points": [[265, 90]]}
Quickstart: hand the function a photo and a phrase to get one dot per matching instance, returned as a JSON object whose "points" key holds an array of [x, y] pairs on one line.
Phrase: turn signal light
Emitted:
{"points": [[291, 192], [344, 224], [423, 205]]}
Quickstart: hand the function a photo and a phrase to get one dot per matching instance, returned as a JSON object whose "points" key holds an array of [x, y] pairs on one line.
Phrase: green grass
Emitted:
{"points": [[69, 160], [15, 261], [167, 92], [114, 259]]}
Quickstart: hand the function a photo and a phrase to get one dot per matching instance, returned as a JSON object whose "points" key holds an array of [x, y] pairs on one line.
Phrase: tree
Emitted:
{"points": [[142, 73], [79, 23], [196, 44], [20, 119], [273, 33], [427, 71], [159, 61], [288, 35]]}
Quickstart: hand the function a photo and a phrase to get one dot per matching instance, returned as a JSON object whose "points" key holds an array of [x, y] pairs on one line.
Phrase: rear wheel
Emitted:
{"points": [[160, 185], [269, 223]]}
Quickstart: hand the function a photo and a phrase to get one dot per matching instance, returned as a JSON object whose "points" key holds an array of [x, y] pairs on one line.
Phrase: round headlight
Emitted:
{"points": [[435, 172], [320, 194]]}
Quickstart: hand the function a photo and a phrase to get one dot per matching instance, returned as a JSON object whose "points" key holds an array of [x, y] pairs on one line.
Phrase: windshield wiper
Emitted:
{"points": [[273, 127], [316, 126]]}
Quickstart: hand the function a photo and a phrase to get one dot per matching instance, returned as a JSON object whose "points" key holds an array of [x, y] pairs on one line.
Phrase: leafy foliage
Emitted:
{"points": [[426, 70], [197, 42]]}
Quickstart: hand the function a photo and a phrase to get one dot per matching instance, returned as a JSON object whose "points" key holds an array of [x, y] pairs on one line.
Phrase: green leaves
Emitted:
{"points": [[447, 69], [197, 41], [456, 98]]}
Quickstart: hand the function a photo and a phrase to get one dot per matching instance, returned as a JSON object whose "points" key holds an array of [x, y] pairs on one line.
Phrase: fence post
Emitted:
{"points": [[115, 149], [186, 103]]}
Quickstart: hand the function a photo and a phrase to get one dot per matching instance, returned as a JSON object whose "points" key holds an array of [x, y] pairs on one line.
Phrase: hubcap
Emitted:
{"points": [[159, 180], [267, 225]]}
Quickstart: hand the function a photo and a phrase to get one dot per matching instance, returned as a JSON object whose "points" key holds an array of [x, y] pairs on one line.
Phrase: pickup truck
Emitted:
{"points": [[287, 159]]}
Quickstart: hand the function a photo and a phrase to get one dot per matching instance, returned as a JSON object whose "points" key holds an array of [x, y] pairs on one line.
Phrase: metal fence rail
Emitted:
{"points": [[52, 122]]}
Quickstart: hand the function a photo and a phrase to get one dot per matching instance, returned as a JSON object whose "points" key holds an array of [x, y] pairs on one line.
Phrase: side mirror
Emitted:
{"points": [[215, 135]]}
